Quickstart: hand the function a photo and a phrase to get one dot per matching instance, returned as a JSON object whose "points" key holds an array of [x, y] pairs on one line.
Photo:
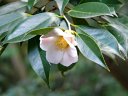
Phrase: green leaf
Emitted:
{"points": [[13, 7], [61, 5], [38, 60], [9, 21], [123, 9], [103, 37], [120, 31], [63, 25], [103, 1], [90, 49], [117, 25], [90, 9], [41, 31], [123, 1], [123, 19], [112, 10], [31, 3], [64, 68], [110, 1], [121, 38], [21, 32]]}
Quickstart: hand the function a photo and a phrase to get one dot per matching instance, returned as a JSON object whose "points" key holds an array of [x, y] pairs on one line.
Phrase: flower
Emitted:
{"points": [[59, 47]]}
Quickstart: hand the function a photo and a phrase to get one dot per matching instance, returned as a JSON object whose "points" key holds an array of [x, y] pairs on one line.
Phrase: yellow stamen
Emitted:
{"points": [[61, 43]]}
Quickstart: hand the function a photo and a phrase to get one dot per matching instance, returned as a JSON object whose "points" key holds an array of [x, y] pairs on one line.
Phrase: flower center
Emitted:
{"points": [[61, 43]]}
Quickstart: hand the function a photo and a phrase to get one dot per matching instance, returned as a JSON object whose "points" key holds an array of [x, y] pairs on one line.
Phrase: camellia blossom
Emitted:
{"points": [[59, 47]]}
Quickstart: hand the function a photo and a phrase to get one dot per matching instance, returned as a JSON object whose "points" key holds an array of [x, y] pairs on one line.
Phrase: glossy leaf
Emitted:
{"points": [[121, 32], [103, 37], [90, 49], [103, 1], [13, 7], [61, 5], [121, 38], [117, 25], [9, 21], [31, 3], [21, 32], [112, 10], [123, 9], [90, 9], [41, 31], [38, 60], [123, 19], [63, 69], [63, 25]]}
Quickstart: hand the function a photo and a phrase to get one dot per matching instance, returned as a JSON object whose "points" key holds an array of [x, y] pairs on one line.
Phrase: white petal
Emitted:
{"points": [[74, 41], [55, 32], [70, 41], [45, 43], [53, 55], [72, 51], [69, 57], [58, 32]]}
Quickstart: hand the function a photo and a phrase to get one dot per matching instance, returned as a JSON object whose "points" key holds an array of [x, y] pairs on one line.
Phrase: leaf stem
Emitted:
{"points": [[69, 27]]}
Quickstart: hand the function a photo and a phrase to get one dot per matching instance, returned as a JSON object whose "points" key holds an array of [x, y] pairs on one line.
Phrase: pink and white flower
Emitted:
{"points": [[59, 47]]}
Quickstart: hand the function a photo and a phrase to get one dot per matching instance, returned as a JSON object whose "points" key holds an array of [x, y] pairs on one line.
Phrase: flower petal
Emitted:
{"points": [[53, 55], [72, 51], [69, 38], [71, 41], [45, 43], [70, 56], [55, 32]]}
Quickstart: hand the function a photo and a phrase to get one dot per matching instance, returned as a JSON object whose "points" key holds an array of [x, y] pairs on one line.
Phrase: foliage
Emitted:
{"points": [[83, 79], [100, 29]]}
